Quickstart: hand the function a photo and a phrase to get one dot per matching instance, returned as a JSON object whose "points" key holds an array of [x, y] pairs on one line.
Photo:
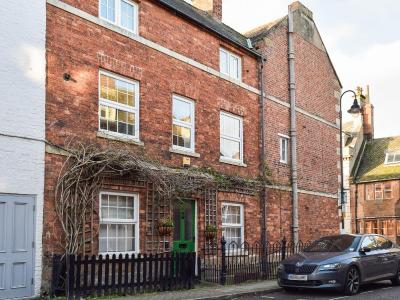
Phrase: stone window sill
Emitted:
{"points": [[232, 162], [110, 136], [183, 152]]}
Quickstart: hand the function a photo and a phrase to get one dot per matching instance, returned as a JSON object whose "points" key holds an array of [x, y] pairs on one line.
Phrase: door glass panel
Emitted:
{"points": [[177, 224], [188, 222]]}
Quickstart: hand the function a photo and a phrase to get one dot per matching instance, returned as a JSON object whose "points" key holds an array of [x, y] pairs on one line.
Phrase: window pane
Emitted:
{"points": [[182, 111], [234, 67], [233, 237], [127, 15], [111, 10], [230, 149], [230, 126], [113, 200], [181, 136], [107, 9], [224, 66]]}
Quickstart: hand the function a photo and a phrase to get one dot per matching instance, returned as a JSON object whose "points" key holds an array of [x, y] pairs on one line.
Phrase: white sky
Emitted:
{"points": [[362, 38]]}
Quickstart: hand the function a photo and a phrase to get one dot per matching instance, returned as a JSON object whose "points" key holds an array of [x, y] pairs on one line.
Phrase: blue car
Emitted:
{"points": [[342, 262]]}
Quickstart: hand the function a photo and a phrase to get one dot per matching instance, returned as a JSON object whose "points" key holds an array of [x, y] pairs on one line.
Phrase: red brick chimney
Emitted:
{"points": [[213, 7], [368, 114]]}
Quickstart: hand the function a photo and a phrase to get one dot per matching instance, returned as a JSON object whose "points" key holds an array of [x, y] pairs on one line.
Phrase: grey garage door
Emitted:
{"points": [[16, 246]]}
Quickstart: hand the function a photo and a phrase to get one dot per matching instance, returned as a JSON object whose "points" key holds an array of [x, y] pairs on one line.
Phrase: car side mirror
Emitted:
{"points": [[365, 250]]}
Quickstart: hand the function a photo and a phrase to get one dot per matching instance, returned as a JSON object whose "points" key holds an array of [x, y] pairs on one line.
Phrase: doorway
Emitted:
{"points": [[184, 237]]}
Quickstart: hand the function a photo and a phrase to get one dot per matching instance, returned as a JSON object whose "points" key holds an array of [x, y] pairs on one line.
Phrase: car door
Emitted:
{"points": [[369, 260], [387, 258]]}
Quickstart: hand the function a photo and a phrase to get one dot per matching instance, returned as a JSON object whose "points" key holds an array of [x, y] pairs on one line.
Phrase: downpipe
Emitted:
{"points": [[293, 130]]}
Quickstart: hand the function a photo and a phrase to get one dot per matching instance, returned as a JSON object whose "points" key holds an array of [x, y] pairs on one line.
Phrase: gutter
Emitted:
{"points": [[293, 130]]}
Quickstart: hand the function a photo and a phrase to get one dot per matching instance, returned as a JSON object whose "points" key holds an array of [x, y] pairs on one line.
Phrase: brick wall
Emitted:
{"points": [[317, 144]]}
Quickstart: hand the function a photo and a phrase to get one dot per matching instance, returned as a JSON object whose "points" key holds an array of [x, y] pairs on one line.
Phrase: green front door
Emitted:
{"points": [[184, 220]]}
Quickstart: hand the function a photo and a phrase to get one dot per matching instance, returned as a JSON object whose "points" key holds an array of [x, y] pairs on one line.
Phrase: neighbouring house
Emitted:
{"points": [[316, 90], [154, 115], [375, 189], [374, 176], [22, 132], [354, 140]]}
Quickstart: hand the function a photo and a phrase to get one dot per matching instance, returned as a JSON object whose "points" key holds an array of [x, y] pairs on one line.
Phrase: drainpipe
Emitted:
{"points": [[356, 208], [293, 134], [263, 194]]}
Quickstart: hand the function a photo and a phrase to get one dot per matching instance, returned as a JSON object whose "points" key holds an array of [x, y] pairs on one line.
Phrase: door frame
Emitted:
{"points": [[34, 249]]}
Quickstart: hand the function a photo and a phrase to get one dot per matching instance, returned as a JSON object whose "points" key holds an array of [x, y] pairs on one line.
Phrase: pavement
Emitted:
{"points": [[376, 291], [213, 292]]}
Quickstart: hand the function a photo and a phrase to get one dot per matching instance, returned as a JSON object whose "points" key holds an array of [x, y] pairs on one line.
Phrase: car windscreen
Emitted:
{"points": [[339, 243]]}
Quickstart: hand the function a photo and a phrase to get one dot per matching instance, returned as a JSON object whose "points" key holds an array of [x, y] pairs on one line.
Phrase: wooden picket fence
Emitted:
{"points": [[126, 275]]}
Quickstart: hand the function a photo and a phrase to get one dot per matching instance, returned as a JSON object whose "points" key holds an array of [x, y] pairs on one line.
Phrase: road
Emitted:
{"points": [[376, 291]]}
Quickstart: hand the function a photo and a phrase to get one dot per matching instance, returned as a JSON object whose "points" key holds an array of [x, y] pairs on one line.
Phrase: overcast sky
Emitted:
{"points": [[362, 38]]}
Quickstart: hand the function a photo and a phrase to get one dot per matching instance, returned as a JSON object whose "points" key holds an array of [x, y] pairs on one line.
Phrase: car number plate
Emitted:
{"points": [[297, 277]]}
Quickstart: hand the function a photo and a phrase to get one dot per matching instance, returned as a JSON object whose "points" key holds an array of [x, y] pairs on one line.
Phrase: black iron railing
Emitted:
{"points": [[232, 263]]}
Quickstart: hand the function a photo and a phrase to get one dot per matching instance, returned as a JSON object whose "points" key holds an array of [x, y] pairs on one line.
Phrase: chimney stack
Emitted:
{"points": [[212, 7], [367, 113]]}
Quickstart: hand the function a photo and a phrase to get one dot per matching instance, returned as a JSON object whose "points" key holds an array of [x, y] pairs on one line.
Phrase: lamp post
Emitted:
{"points": [[354, 109]]}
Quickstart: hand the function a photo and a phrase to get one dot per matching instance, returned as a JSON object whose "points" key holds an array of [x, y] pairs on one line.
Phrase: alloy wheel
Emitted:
{"points": [[353, 281]]}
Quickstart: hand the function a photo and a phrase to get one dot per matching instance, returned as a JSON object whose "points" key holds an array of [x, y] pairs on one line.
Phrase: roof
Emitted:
{"points": [[263, 29], [372, 166], [207, 21]]}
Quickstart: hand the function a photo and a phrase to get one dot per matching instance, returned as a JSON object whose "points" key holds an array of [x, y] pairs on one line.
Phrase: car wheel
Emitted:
{"points": [[396, 279], [352, 282]]}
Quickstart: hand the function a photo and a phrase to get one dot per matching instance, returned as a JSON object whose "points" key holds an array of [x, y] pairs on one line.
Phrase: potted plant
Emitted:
{"points": [[165, 226], [211, 232]]}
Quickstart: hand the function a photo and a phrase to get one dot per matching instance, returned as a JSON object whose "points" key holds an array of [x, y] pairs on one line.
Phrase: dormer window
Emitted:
{"points": [[392, 158]]}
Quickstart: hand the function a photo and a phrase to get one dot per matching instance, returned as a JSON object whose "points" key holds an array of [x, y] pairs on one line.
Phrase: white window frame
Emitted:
{"points": [[135, 110], [397, 153], [190, 125], [241, 226], [135, 220], [283, 138], [231, 55], [117, 10], [375, 191], [240, 140], [385, 190]]}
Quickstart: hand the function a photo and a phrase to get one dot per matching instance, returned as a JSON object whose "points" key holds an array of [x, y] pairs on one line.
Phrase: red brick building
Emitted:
{"points": [[171, 81], [375, 189], [317, 91]]}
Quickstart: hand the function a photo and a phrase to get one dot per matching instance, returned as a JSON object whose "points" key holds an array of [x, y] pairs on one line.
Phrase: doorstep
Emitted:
{"points": [[211, 291]]}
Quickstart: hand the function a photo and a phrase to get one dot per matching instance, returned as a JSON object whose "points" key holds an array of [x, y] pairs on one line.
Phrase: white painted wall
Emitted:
{"points": [[22, 113]]}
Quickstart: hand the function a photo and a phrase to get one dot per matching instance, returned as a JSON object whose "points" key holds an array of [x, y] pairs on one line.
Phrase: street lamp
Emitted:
{"points": [[354, 109]]}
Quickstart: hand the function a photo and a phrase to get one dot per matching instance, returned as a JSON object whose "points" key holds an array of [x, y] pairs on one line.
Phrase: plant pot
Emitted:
{"points": [[165, 230], [210, 235]]}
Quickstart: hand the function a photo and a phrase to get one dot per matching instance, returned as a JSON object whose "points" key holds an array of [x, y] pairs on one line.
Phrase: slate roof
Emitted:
{"points": [[259, 32], [372, 166], [204, 19]]}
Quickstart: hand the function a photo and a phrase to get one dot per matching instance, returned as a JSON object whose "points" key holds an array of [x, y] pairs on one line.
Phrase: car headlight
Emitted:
{"points": [[280, 267], [330, 267]]}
